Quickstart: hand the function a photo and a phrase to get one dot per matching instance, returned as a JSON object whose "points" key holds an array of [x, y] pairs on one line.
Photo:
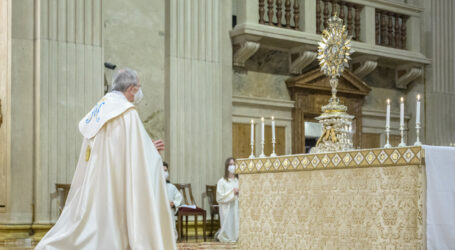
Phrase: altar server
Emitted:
{"points": [[227, 193], [174, 196]]}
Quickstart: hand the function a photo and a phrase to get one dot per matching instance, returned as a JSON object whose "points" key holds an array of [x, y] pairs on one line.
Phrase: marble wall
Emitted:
{"points": [[199, 91], [439, 76], [263, 76], [134, 38], [5, 99], [56, 76]]}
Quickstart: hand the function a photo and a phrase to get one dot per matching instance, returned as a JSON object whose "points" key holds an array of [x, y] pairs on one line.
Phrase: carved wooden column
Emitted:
{"points": [[326, 12], [296, 15], [403, 31], [279, 13], [318, 16]]}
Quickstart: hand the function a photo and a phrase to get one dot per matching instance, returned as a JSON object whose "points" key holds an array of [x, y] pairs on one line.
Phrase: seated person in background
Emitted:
{"points": [[227, 191], [174, 196]]}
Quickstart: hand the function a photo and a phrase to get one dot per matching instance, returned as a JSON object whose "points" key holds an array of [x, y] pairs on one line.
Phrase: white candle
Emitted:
{"points": [[387, 121], [273, 128], [252, 133], [418, 110], [402, 112], [262, 129]]}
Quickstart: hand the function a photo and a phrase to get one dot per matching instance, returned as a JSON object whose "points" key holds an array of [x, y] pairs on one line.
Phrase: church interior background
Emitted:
{"points": [[207, 68]]}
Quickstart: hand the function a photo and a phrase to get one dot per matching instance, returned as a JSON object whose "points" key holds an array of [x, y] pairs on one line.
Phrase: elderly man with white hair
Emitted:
{"points": [[118, 194]]}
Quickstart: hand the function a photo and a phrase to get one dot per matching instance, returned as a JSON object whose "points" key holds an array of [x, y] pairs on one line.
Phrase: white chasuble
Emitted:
{"points": [[174, 195], [118, 194], [229, 210]]}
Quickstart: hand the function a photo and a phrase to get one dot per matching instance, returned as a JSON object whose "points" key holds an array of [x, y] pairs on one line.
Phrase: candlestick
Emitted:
{"points": [[402, 144], [273, 128], [418, 110], [387, 125], [273, 138], [387, 122], [262, 138], [252, 139], [402, 112], [418, 143]]}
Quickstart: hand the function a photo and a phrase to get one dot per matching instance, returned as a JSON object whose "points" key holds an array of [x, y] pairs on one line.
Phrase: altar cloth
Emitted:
{"points": [[440, 173]]}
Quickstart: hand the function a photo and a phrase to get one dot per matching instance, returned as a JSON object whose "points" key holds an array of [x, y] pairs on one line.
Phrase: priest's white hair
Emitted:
{"points": [[123, 79]]}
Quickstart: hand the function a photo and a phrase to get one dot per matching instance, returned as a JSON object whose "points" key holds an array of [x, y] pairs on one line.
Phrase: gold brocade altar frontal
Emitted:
{"points": [[366, 199], [346, 159]]}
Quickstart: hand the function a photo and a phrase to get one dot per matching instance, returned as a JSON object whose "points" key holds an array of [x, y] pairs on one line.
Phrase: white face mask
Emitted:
{"points": [[231, 169], [138, 96], [166, 175]]}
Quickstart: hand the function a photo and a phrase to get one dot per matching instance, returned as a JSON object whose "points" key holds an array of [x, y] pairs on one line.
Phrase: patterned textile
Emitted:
{"points": [[206, 245], [360, 207]]}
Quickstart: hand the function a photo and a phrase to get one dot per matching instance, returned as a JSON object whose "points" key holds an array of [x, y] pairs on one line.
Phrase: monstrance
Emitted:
{"points": [[333, 55]]}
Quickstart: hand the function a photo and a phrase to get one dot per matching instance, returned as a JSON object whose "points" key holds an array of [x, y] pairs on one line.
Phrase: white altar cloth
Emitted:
{"points": [[440, 219]]}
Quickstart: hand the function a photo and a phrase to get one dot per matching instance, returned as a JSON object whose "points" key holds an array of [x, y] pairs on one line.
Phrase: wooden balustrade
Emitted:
{"points": [[330, 7], [390, 29], [274, 16]]}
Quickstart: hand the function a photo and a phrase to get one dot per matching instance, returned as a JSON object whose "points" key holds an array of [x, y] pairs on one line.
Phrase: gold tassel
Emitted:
{"points": [[87, 153]]}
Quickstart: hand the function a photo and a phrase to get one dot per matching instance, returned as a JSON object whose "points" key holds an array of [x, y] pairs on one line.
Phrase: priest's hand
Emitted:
{"points": [[172, 204], [236, 191], [159, 145]]}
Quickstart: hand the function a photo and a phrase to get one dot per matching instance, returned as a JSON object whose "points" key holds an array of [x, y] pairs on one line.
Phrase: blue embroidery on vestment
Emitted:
{"points": [[95, 112]]}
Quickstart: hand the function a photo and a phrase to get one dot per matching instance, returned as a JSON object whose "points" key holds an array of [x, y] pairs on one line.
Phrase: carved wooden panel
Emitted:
{"points": [[280, 147], [370, 140], [241, 134], [394, 140]]}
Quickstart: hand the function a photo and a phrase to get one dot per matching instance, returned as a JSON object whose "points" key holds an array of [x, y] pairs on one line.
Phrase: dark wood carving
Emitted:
{"points": [[261, 11], [270, 11], [312, 90], [318, 16], [279, 13], [326, 13], [296, 14], [287, 14], [357, 22]]}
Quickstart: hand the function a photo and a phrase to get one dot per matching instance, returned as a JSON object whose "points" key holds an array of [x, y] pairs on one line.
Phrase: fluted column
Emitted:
{"points": [[198, 91], [5, 100], [440, 79]]}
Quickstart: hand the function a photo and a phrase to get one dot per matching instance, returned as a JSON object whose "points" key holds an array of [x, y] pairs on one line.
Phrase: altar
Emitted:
{"points": [[362, 199]]}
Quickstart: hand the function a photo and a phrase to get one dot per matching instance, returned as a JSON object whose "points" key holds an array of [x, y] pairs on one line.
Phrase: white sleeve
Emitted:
{"points": [[224, 193], [177, 197]]}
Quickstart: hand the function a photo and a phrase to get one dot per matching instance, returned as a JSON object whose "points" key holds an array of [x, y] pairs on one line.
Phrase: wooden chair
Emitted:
{"points": [[210, 190], [61, 202], [186, 212]]}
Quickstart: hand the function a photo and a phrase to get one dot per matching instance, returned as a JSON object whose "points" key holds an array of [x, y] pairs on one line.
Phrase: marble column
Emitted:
{"points": [[198, 91], [70, 83], [439, 77], [5, 102], [56, 77]]}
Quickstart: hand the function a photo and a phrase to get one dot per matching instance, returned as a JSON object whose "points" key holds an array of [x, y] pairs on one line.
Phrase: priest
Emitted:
{"points": [[118, 194]]}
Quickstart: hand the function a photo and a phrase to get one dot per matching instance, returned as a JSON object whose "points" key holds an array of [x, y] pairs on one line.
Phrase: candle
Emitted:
{"points": [[387, 121], [418, 110], [273, 129], [252, 133], [262, 130], [402, 112]]}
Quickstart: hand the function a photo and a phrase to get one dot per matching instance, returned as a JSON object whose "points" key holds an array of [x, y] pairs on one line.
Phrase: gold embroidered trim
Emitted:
{"points": [[87, 153], [347, 159]]}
